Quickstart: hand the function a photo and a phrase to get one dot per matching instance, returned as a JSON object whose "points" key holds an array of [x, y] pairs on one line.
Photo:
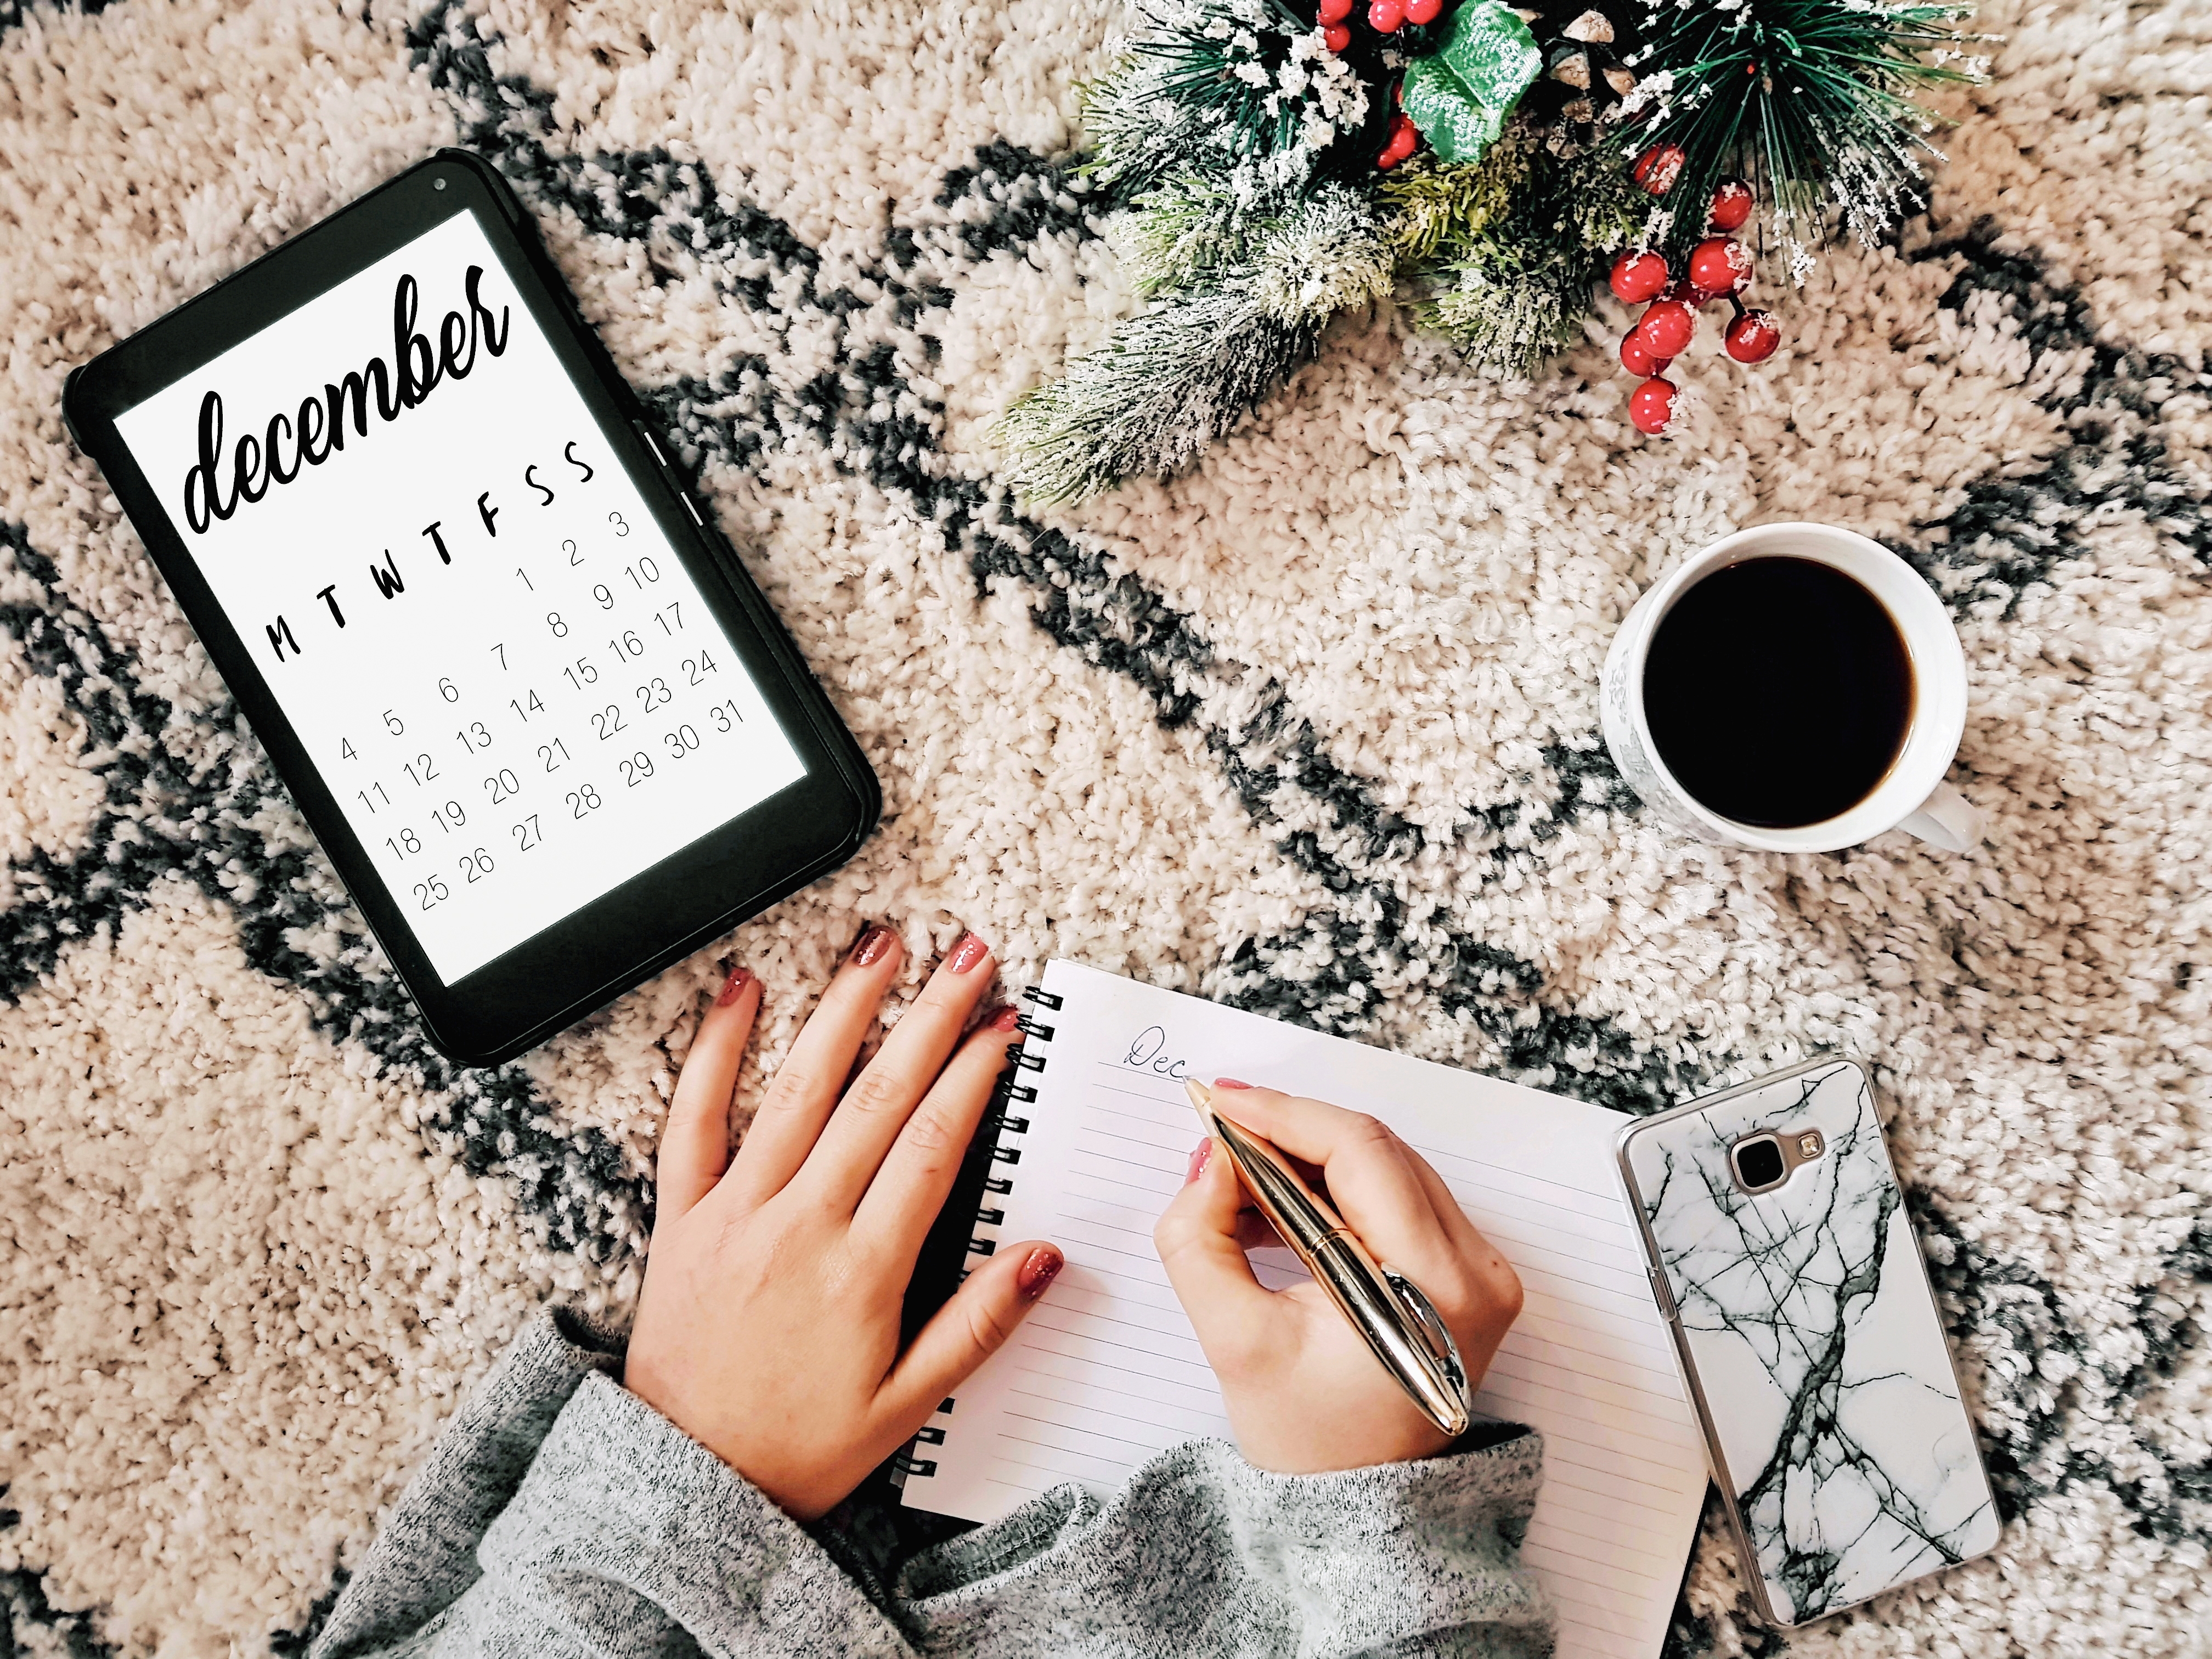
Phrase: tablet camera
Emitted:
{"points": [[1758, 1163]]}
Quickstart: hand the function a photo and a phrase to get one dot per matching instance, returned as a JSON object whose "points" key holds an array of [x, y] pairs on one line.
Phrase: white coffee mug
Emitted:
{"points": [[1911, 796]]}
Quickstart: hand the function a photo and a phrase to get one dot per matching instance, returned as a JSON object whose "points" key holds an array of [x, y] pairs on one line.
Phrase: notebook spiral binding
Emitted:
{"points": [[1006, 1156]]}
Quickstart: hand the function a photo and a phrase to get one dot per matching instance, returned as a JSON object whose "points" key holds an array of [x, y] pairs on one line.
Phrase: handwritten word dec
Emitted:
{"points": [[1147, 1054]]}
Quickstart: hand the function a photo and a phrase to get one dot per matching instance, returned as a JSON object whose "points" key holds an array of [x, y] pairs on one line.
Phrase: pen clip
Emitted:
{"points": [[1444, 1347]]}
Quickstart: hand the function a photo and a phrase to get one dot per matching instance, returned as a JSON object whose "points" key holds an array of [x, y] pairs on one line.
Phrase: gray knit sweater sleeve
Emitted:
{"points": [[559, 1515]]}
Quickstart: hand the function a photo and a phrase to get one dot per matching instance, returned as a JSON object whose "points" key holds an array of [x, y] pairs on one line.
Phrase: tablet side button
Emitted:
{"points": [[668, 473]]}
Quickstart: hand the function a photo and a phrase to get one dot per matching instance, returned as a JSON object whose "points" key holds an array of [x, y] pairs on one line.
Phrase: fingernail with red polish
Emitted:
{"points": [[965, 955], [734, 986], [1200, 1156], [1038, 1272], [873, 946], [1008, 1018], [1229, 1083]]}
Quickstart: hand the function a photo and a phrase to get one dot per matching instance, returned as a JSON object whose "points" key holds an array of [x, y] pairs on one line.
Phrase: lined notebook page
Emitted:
{"points": [[1106, 1371]]}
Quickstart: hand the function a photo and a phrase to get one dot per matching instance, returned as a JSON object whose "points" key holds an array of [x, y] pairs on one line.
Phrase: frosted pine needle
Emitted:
{"points": [[1244, 93], [1174, 377], [1813, 100], [1436, 207], [1514, 293], [1323, 256], [1186, 227], [1168, 382]]}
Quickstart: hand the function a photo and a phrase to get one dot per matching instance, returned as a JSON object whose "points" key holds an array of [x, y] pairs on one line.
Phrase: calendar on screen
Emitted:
{"points": [[457, 597]]}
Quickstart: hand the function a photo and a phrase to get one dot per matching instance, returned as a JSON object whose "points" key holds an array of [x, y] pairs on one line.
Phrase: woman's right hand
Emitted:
{"points": [[1305, 1393]]}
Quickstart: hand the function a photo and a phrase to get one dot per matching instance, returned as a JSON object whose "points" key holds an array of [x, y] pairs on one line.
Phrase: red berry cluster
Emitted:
{"points": [[1718, 268], [1404, 135], [1385, 17]]}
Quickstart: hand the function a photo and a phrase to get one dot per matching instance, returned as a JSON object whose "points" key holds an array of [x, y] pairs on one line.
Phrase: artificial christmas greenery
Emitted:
{"points": [[1811, 101], [1274, 162], [1242, 302], [1242, 94], [1512, 292], [1222, 128]]}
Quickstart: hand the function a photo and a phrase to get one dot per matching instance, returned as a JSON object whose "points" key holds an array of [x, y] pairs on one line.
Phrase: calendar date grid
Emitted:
{"points": [[542, 734]]}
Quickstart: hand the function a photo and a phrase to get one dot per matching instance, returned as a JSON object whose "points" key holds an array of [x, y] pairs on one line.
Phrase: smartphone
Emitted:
{"points": [[1776, 1237]]}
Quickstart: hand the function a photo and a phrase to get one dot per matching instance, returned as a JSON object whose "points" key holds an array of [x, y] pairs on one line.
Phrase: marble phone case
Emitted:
{"points": [[1808, 1335]]}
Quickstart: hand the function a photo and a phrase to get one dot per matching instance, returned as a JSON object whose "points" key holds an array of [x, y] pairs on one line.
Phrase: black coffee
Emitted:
{"points": [[1780, 692]]}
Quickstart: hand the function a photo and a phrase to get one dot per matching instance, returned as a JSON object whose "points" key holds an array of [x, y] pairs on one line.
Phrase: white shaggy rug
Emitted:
{"points": [[1312, 730]]}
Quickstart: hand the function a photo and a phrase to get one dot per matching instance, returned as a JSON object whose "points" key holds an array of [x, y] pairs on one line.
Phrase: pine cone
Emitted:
{"points": [[1585, 75]]}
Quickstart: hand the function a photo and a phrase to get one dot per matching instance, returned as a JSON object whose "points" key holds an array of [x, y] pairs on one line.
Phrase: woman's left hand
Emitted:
{"points": [[769, 1327]]}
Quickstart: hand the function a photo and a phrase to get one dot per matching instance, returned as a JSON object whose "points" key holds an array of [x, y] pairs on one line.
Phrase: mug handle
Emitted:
{"points": [[1946, 819]]}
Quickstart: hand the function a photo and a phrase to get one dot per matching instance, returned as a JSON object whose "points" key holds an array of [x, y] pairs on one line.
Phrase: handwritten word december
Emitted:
{"points": [[257, 464]]}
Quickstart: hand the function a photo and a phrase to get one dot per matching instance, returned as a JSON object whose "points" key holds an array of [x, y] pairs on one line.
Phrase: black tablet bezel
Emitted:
{"points": [[608, 946]]}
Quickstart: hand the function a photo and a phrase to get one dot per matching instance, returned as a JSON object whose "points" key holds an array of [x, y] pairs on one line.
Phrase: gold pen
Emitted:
{"points": [[1398, 1324]]}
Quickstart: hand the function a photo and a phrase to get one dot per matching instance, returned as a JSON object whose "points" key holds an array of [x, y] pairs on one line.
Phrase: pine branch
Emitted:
{"points": [[1436, 207], [1242, 92], [1210, 67], [1168, 382], [1324, 256], [1593, 204], [1183, 229], [1177, 376], [1514, 293], [1814, 100], [1507, 327]]}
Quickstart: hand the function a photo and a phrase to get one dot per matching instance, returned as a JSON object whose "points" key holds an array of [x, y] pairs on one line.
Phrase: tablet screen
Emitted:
{"points": [[458, 597]]}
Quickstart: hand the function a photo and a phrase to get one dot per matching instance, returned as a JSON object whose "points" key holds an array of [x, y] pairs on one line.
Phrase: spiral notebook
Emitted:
{"points": [[1106, 1370]]}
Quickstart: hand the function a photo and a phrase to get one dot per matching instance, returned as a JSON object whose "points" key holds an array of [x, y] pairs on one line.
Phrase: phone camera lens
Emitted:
{"points": [[1759, 1162]]}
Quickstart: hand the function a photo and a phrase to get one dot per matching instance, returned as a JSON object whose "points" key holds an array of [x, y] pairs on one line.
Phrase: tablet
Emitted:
{"points": [[541, 720]]}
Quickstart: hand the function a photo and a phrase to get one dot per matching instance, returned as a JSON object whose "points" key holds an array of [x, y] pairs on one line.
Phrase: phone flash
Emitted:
{"points": [[1808, 1146]]}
